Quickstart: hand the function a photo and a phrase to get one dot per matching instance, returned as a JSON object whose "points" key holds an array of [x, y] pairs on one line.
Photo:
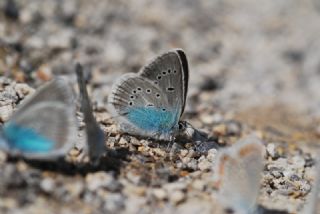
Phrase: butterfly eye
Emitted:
{"points": [[159, 77], [157, 95], [163, 109], [155, 82], [148, 91], [131, 97], [134, 91], [169, 71], [130, 103], [164, 73], [139, 89], [175, 71]]}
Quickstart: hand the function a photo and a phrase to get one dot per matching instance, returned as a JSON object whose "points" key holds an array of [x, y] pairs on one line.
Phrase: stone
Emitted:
{"points": [[298, 161], [23, 90], [177, 196], [199, 185], [220, 130], [5, 112], [204, 165], [95, 181], [271, 150], [159, 193], [212, 153], [233, 128], [48, 185]]}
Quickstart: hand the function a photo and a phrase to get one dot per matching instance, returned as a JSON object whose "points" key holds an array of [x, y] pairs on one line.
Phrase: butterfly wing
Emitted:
{"points": [[57, 90], [141, 107], [151, 102], [171, 73], [131, 90], [95, 135], [237, 173], [45, 131], [44, 125]]}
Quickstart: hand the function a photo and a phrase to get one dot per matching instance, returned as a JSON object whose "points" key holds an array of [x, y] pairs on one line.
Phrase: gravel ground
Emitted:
{"points": [[254, 68]]}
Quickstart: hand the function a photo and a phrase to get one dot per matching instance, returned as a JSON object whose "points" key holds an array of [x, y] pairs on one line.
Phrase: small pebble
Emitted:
{"points": [[23, 89], [298, 161], [276, 174], [134, 141], [207, 119], [199, 185], [204, 165], [217, 118], [233, 128], [61, 40], [74, 152], [220, 130], [75, 188], [271, 150], [48, 185], [212, 153], [123, 142], [160, 194], [184, 152], [3, 157], [192, 164], [99, 180], [176, 196], [44, 73], [5, 112]]}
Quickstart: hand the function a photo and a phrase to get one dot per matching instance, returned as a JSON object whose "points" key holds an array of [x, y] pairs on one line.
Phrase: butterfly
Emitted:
{"points": [[95, 136], [44, 126], [312, 202], [237, 174], [151, 102]]}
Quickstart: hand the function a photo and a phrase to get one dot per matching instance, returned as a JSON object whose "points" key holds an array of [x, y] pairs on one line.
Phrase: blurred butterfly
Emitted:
{"points": [[237, 174], [95, 136], [313, 202], [151, 102], [44, 126]]}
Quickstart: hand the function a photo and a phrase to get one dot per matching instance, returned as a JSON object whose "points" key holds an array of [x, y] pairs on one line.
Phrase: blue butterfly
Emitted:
{"points": [[151, 102], [44, 126], [95, 135]]}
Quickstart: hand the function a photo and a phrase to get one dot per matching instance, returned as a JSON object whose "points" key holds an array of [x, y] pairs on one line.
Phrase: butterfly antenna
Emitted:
{"points": [[95, 135]]}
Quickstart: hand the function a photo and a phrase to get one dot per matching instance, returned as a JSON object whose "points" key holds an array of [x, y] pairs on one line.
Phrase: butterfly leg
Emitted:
{"points": [[175, 148]]}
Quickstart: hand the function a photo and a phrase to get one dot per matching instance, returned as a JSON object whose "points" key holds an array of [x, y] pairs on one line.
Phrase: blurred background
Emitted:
{"points": [[248, 51]]}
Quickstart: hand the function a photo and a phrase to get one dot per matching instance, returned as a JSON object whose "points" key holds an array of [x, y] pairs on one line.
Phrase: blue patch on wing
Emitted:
{"points": [[26, 139], [153, 119]]}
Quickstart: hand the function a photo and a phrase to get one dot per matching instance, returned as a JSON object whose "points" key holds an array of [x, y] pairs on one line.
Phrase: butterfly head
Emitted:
{"points": [[186, 132], [183, 130]]}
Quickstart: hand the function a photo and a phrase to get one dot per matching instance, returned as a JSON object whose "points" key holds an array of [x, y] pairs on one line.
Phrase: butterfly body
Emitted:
{"points": [[151, 102], [95, 135], [44, 125]]}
